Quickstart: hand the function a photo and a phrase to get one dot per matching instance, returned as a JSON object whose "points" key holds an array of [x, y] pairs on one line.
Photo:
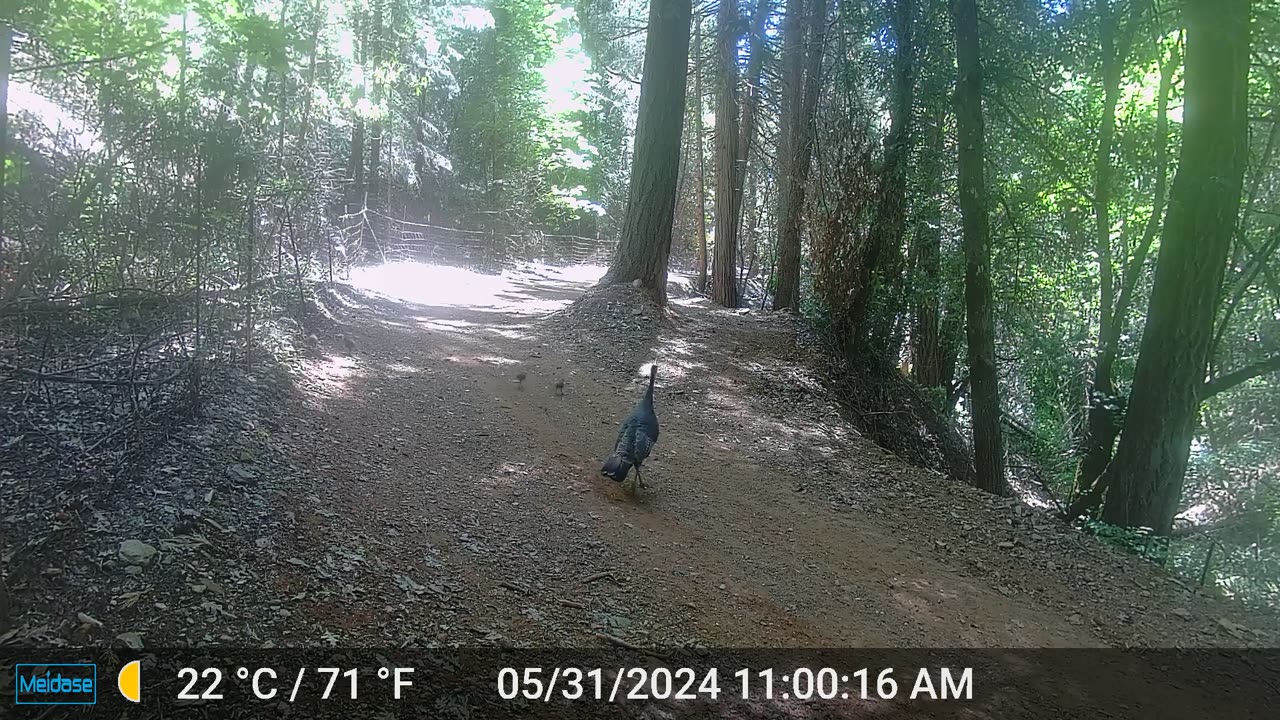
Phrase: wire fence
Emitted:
{"points": [[371, 236]]}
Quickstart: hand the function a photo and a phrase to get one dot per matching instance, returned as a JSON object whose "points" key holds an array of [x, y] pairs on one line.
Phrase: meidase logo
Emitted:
{"points": [[56, 683]]}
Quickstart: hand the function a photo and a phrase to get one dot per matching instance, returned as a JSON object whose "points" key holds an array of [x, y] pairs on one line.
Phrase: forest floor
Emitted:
{"points": [[403, 488]]}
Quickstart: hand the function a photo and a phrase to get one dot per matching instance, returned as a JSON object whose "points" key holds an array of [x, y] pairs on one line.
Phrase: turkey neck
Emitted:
{"points": [[648, 395]]}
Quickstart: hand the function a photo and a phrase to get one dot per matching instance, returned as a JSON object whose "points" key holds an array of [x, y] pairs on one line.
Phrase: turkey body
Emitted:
{"points": [[636, 438]]}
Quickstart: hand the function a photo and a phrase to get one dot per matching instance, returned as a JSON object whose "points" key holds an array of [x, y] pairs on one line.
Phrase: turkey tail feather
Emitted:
{"points": [[616, 468]]}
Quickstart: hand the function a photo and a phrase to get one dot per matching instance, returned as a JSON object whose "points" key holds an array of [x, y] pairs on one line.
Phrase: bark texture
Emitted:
{"points": [[984, 381], [1144, 480], [645, 243], [724, 272], [803, 38]]}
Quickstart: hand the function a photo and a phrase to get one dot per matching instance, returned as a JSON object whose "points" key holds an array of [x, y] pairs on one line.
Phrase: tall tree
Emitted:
{"points": [[1099, 430], [984, 380], [1101, 423], [750, 105], [702, 158], [882, 255], [1144, 480], [724, 273], [377, 38], [6, 53], [355, 160], [803, 37], [932, 361], [646, 230]]}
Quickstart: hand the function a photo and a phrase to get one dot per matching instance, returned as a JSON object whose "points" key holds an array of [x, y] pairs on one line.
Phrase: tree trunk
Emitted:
{"points": [[420, 168], [355, 163], [882, 259], [6, 56], [1112, 64], [984, 381], [1100, 426], [702, 159], [375, 135], [750, 108], [283, 126], [803, 36], [645, 243], [926, 330], [312, 47], [375, 161], [1143, 483], [724, 275]]}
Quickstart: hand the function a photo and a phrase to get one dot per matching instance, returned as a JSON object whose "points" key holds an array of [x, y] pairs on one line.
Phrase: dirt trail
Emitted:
{"points": [[477, 498], [407, 492]]}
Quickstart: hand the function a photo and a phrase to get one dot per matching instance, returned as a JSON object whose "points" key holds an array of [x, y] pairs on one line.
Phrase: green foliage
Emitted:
{"points": [[1140, 541], [230, 141]]}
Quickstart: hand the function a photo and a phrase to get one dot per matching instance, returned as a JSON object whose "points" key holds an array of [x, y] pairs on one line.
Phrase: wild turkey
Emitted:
{"points": [[636, 437]]}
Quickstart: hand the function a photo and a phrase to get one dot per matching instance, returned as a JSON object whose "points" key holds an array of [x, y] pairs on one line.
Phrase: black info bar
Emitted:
{"points": [[638, 683]]}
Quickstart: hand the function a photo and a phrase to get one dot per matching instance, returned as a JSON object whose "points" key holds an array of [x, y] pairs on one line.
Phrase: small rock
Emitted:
{"points": [[238, 472], [1235, 629], [1075, 619], [132, 640], [1005, 544], [1183, 613], [136, 552]]}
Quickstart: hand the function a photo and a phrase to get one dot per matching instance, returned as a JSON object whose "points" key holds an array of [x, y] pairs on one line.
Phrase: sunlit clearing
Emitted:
{"points": [[670, 370], [679, 347], [24, 98], [470, 17], [676, 358], [330, 373], [445, 325], [522, 291], [1197, 514], [1030, 493], [346, 45], [565, 77], [509, 333], [395, 324], [691, 301]]}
